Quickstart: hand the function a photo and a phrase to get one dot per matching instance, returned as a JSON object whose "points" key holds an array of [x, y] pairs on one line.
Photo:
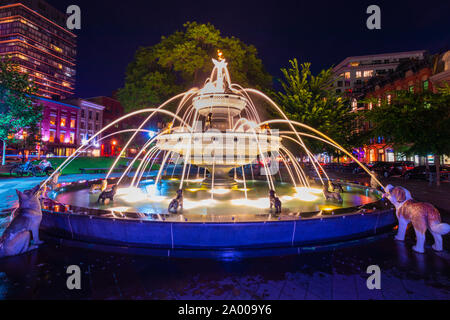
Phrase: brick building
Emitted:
{"points": [[420, 75]]}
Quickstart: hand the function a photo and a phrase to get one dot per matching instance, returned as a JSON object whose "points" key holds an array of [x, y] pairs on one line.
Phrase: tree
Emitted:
{"points": [[312, 100], [416, 122], [183, 60], [16, 103]]}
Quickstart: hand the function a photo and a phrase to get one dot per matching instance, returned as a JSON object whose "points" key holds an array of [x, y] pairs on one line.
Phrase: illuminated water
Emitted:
{"points": [[200, 202]]}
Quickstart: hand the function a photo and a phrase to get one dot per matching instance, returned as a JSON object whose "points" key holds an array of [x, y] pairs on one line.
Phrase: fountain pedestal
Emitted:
{"points": [[221, 175]]}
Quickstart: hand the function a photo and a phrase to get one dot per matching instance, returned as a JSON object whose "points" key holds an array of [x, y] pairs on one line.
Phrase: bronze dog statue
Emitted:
{"points": [[24, 226]]}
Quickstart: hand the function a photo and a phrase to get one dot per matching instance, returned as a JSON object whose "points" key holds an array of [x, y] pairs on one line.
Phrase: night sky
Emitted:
{"points": [[320, 32]]}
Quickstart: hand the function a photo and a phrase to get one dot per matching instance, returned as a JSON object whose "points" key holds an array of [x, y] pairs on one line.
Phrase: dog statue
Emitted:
{"points": [[335, 196], [423, 216], [107, 194], [275, 202], [24, 227], [95, 188], [337, 186], [177, 202]]}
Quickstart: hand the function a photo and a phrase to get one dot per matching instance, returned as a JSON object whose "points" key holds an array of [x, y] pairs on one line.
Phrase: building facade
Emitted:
{"points": [[59, 127], [33, 35], [90, 122], [114, 110], [354, 72], [417, 76]]}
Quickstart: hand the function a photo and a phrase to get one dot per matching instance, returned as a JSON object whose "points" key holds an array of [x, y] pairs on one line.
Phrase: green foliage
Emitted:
{"points": [[182, 60], [16, 103], [312, 100], [88, 162], [417, 123]]}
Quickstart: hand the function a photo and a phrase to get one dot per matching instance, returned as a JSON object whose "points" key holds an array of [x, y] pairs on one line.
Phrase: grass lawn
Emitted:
{"points": [[75, 166], [83, 162]]}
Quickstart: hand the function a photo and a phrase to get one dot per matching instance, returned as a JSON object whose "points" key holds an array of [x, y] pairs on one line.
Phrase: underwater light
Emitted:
{"points": [[195, 181], [189, 204], [305, 194], [131, 194], [262, 203], [220, 191]]}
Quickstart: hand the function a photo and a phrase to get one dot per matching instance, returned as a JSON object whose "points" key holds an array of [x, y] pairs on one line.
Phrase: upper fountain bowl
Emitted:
{"points": [[219, 103]]}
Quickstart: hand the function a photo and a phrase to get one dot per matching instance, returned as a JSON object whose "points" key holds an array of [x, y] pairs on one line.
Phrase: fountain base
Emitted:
{"points": [[222, 178]]}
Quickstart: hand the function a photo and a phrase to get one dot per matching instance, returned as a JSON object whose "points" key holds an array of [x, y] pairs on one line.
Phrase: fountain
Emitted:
{"points": [[225, 181]]}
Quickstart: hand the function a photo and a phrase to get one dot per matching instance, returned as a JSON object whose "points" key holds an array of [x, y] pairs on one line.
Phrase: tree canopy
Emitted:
{"points": [[311, 100], [182, 60], [16, 103], [417, 123]]}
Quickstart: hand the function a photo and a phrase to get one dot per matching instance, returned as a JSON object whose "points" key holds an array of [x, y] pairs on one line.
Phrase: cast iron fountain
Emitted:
{"points": [[206, 158]]}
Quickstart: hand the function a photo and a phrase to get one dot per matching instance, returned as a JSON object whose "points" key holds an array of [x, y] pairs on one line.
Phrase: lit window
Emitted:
{"points": [[72, 137], [358, 74], [368, 73], [63, 122], [347, 75], [370, 105], [389, 99], [51, 138], [62, 137], [72, 123], [53, 120]]}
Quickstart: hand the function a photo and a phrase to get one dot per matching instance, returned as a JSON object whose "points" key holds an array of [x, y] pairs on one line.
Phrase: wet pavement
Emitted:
{"points": [[332, 273], [338, 273]]}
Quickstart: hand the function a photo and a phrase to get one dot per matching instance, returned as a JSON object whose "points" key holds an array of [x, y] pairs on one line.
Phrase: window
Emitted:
{"points": [[62, 137], [359, 74], [53, 120], [338, 90], [51, 138], [339, 83], [82, 113], [83, 125], [389, 99], [63, 122], [370, 105], [411, 89], [368, 73], [72, 123], [347, 75], [97, 116], [426, 85], [347, 83], [72, 137], [90, 115]]}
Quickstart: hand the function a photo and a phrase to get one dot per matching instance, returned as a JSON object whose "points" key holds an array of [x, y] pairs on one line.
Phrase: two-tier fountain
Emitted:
{"points": [[225, 160]]}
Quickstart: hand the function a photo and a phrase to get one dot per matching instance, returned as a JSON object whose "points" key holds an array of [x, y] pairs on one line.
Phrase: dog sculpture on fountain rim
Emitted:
{"points": [[24, 226], [423, 216]]}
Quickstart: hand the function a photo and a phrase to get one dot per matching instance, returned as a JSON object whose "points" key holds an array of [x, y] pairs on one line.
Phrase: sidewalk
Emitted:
{"points": [[420, 189]]}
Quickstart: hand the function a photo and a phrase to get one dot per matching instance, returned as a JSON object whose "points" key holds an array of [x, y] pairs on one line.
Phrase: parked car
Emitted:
{"points": [[387, 169], [420, 172]]}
